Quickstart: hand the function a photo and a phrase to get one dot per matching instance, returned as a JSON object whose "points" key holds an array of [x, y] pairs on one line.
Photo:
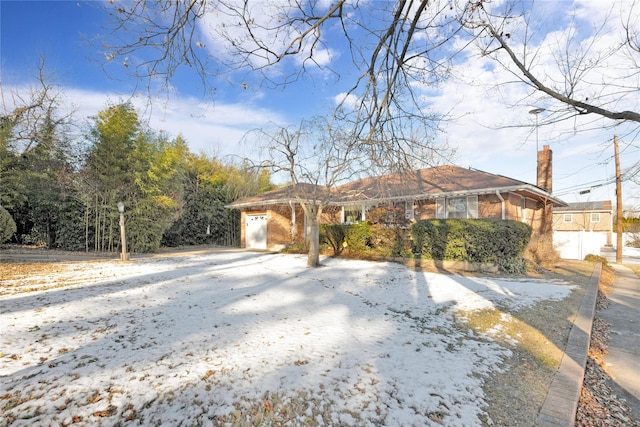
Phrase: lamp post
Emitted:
{"points": [[536, 111], [123, 256]]}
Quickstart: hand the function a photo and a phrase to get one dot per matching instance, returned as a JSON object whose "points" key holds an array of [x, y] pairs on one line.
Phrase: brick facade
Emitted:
{"points": [[449, 191]]}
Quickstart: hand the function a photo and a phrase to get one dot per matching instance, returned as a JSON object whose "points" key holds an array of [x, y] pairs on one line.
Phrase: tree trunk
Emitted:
{"points": [[86, 227], [313, 257], [313, 214]]}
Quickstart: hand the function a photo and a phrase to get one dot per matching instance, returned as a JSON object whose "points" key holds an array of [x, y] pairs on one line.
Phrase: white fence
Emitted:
{"points": [[578, 244]]}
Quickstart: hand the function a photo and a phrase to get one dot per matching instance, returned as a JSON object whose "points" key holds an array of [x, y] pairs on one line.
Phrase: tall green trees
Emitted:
{"points": [[61, 197], [208, 186], [35, 164], [130, 164], [109, 172]]}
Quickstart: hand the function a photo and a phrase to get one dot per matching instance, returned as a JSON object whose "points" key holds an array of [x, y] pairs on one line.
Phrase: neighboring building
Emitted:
{"points": [[274, 219], [580, 229]]}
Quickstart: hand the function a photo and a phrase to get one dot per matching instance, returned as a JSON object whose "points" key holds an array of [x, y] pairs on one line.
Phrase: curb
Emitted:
{"points": [[560, 405]]}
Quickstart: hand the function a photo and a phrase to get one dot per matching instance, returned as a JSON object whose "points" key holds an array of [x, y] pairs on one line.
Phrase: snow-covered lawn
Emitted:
{"points": [[186, 340]]}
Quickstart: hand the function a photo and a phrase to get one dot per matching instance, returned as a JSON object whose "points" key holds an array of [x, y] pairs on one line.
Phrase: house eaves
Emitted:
{"points": [[527, 189], [269, 202]]}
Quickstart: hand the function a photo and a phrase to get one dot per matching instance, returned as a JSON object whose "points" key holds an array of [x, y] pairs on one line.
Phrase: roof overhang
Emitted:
{"points": [[270, 202], [525, 190]]}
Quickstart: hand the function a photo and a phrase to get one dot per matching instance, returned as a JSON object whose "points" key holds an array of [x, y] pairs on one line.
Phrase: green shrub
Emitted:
{"points": [[474, 240], [357, 237], [596, 258], [390, 241], [366, 239], [334, 236], [7, 225]]}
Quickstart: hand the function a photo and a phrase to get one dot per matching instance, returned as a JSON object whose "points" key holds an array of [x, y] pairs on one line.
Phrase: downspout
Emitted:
{"points": [[293, 221], [502, 202]]}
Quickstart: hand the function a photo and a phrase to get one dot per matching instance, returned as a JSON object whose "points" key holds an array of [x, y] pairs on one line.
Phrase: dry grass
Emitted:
{"points": [[537, 337], [23, 277]]}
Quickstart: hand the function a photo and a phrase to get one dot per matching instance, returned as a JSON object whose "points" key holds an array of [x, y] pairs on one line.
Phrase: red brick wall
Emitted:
{"points": [[424, 209], [279, 226], [489, 206]]}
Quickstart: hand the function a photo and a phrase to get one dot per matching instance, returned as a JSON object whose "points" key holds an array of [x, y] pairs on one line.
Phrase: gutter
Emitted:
{"points": [[266, 203]]}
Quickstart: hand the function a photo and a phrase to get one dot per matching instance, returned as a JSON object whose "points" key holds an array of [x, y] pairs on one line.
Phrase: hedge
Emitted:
{"points": [[474, 240], [366, 239], [356, 238]]}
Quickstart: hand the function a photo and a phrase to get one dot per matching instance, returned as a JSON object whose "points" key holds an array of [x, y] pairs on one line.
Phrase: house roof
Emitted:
{"points": [[430, 183], [282, 195], [602, 205]]}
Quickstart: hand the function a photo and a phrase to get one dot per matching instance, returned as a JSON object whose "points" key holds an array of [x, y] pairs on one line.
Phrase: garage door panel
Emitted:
{"points": [[256, 231]]}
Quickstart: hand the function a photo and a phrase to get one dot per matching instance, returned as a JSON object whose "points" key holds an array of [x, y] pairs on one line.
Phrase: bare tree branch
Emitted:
{"points": [[573, 66]]}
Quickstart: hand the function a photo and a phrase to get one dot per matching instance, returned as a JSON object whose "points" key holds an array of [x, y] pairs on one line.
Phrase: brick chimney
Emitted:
{"points": [[544, 169]]}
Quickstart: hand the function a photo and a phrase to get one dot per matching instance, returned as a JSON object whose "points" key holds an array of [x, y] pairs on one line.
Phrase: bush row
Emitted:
{"points": [[477, 240]]}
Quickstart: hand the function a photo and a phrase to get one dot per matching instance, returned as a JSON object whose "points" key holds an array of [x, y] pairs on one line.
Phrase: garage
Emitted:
{"points": [[256, 231]]}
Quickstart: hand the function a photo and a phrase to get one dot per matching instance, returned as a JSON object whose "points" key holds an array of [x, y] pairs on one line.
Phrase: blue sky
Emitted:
{"points": [[56, 30]]}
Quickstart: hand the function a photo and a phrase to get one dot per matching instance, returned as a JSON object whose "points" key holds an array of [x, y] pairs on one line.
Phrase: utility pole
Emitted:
{"points": [[619, 213]]}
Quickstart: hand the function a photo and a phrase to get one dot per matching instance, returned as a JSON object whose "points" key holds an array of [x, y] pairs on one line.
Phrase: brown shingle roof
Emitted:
{"points": [[427, 182], [441, 181], [279, 196]]}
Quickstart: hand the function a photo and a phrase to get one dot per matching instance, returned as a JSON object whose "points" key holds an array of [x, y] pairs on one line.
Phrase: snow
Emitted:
{"points": [[182, 340], [631, 252]]}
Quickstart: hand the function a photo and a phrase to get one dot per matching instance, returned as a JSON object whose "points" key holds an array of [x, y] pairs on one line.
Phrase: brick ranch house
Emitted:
{"points": [[275, 219]]}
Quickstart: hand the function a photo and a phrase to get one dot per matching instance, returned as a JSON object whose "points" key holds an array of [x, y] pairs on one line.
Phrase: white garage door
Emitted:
{"points": [[256, 231], [578, 244]]}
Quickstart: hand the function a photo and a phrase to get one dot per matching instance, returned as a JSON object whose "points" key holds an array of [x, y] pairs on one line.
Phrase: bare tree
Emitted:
{"points": [[578, 71], [383, 123], [398, 49], [314, 157], [24, 113], [393, 49]]}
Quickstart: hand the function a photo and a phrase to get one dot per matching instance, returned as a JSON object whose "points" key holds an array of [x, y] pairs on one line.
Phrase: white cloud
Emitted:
{"points": [[484, 98], [347, 100], [214, 128], [223, 28]]}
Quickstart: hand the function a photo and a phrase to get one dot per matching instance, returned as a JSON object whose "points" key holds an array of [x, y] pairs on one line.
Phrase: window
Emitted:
{"points": [[595, 217], [567, 218], [440, 212], [408, 210], [472, 207], [352, 214], [457, 207]]}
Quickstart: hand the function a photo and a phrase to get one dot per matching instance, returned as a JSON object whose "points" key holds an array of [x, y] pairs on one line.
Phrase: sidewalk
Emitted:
{"points": [[623, 358]]}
